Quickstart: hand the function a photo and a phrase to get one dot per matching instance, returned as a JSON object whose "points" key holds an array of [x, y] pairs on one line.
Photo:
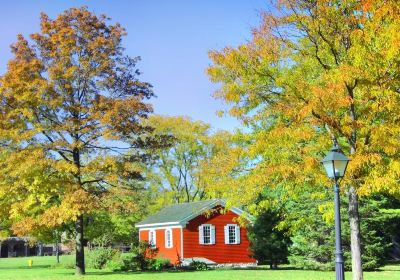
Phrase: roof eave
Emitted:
{"points": [[158, 224], [190, 217]]}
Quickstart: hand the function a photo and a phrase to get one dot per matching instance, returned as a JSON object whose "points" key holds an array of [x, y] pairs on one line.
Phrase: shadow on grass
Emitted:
{"points": [[259, 267], [26, 267], [386, 269], [104, 273], [175, 271]]}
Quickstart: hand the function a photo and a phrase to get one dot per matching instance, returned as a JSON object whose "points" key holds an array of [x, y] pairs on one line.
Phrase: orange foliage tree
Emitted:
{"points": [[70, 125]]}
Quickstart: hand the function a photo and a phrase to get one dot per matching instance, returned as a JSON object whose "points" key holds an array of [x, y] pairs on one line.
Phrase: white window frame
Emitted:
{"points": [[152, 238], [168, 238], [211, 240], [227, 231]]}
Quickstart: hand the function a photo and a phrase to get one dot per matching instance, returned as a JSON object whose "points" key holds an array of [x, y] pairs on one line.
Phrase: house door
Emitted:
{"points": [[4, 251]]}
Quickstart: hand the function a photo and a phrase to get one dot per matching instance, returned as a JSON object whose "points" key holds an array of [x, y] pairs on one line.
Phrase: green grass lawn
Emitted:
{"points": [[17, 269]]}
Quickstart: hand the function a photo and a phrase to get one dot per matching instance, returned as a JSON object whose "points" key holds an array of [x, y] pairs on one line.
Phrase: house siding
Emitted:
{"points": [[174, 253], [218, 252]]}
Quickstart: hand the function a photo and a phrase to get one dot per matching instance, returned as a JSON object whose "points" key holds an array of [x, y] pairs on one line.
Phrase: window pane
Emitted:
{"points": [[207, 234], [152, 240], [232, 234], [168, 238]]}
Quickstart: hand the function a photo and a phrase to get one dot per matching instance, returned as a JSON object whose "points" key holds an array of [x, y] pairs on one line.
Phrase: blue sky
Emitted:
{"points": [[172, 37]]}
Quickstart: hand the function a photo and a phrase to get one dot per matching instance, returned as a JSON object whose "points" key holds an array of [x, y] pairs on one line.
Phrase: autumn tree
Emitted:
{"points": [[175, 174], [72, 140], [313, 71]]}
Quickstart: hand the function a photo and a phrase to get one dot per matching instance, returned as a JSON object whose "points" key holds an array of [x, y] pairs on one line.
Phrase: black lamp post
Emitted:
{"points": [[335, 164]]}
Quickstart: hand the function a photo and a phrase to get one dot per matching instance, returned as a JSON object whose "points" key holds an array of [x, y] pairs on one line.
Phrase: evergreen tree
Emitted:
{"points": [[269, 244], [314, 236]]}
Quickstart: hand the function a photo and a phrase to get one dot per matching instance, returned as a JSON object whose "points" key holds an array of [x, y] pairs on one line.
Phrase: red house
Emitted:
{"points": [[198, 230]]}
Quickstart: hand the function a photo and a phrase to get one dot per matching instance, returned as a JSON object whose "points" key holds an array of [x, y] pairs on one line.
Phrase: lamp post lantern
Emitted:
{"points": [[335, 164]]}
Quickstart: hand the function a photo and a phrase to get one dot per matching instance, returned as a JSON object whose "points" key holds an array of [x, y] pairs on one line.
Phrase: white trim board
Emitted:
{"points": [[168, 224], [154, 227], [182, 244]]}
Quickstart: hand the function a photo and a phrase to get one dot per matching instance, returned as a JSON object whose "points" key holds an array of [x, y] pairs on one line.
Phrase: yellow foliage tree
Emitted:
{"points": [[315, 70]]}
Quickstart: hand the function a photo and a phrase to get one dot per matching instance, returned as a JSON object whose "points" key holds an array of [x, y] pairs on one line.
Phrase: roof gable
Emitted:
{"points": [[180, 214]]}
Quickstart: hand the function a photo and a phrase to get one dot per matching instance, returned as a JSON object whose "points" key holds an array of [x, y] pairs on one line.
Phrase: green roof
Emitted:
{"points": [[180, 212]]}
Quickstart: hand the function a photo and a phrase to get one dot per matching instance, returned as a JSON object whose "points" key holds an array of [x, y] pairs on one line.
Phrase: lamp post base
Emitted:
{"points": [[339, 271]]}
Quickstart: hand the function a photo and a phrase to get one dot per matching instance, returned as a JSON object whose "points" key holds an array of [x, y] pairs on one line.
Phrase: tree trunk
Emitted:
{"points": [[57, 253], [80, 254], [354, 218], [355, 235], [40, 249], [56, 247]]}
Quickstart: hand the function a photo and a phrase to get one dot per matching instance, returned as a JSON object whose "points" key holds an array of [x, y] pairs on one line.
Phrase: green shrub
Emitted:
{"points": [[160, 264], [139, 258], [132, 262], [309, 264], [115, 264], [129, 261], [144, 255], [100, 256], [122, 262], [197, 265]]}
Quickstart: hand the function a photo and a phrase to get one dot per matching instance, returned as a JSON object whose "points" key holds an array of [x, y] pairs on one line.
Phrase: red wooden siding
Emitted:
{"points": [[174, 253], [218, 252]]}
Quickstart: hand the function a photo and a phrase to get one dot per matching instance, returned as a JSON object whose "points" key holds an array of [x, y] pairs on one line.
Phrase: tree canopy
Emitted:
{"points": [[177, 175], [70, 126], [313, 71]]}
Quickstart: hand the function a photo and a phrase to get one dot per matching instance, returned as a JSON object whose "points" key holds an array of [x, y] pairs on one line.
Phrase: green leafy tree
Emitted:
{"points": [[115, 225], [176, 174]]}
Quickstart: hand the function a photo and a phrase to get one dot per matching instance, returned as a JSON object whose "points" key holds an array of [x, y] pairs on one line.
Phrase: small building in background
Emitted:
{"points": [[202, 231], [17, 247], [21, 247]]}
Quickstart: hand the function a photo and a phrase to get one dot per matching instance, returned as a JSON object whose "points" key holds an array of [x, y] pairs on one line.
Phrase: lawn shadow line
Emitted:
{"points": [[99, 273], [26, 267], [257, 268]]}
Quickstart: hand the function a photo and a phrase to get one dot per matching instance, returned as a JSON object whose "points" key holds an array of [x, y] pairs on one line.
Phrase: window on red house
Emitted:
{"points": [[232, 234], [152, 238], [207, 234], [168, 238]]}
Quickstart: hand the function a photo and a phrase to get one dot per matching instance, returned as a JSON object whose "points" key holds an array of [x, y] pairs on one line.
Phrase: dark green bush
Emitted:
{"points": [[129, 261], [197, 265]]}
